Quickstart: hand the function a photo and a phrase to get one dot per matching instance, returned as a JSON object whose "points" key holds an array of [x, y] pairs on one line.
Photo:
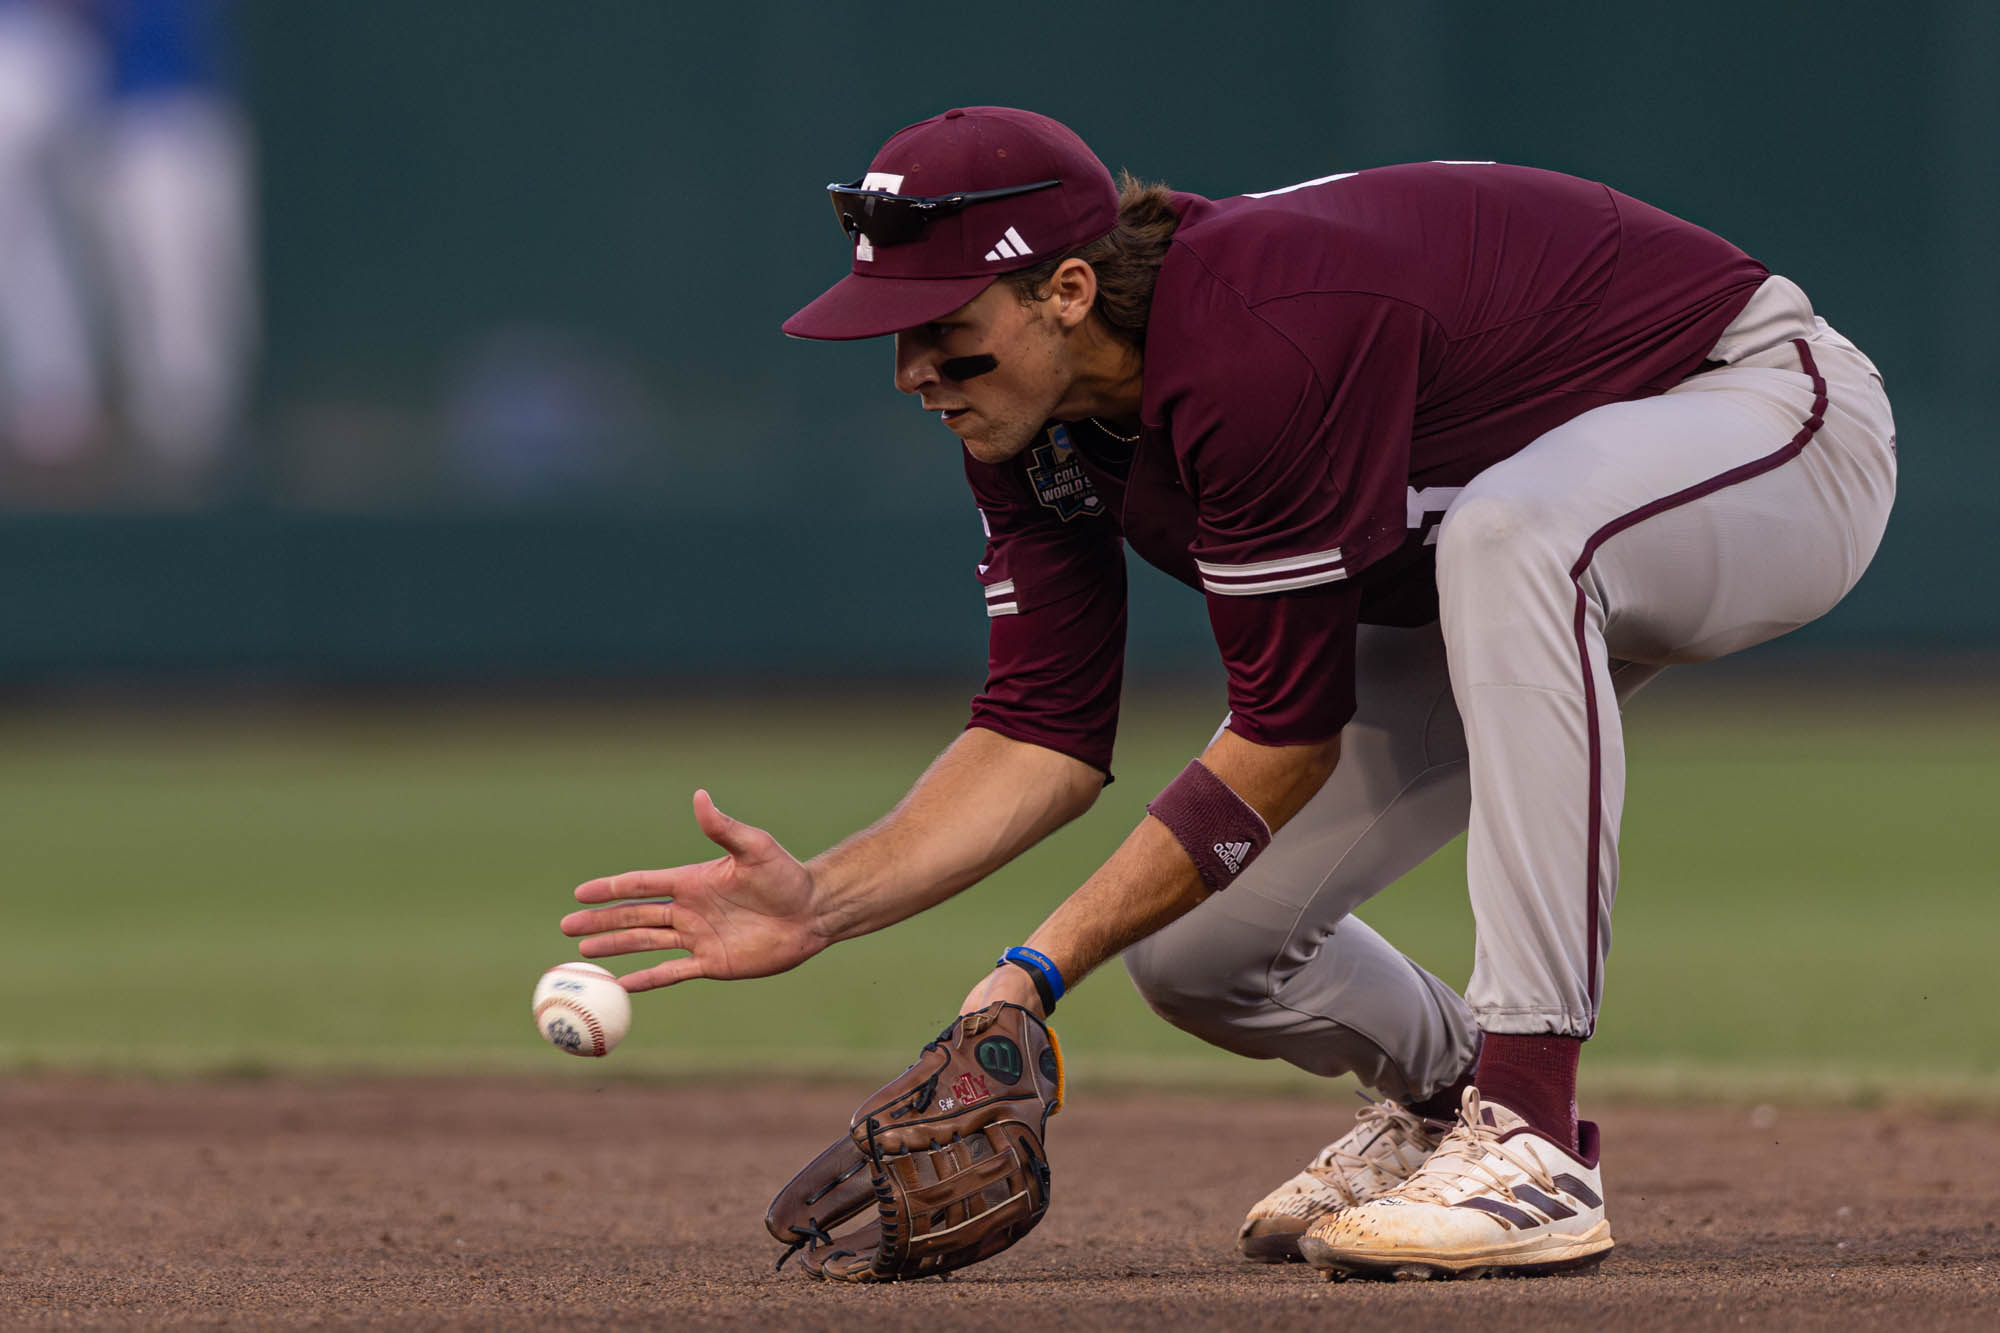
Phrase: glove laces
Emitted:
{"points": [[812, 1233]]}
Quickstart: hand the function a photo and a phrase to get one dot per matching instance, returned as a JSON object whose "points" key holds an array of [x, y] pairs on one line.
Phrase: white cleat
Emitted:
{"points": [[1495, 1198], [1387, 1143]]}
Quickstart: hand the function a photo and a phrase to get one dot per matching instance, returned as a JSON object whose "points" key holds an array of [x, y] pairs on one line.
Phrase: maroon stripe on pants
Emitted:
{"points": [[1617, 525]]}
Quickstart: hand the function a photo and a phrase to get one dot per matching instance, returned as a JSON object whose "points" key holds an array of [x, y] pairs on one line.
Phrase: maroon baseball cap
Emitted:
{"points": [[956, 201]]}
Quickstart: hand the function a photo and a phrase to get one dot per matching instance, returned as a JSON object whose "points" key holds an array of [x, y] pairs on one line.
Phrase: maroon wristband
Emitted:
{"points": [[1216, 827]]}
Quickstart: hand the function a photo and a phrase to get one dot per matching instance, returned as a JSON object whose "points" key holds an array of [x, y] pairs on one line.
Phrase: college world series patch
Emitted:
{"points": [[1059, 480]]}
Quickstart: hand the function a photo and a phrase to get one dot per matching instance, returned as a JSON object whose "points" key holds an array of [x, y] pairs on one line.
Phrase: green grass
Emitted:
{"points": [[1808, 901]]}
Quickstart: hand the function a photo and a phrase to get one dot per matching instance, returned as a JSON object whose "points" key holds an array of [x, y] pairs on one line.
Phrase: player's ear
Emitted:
{"points": [[1073, 288]]}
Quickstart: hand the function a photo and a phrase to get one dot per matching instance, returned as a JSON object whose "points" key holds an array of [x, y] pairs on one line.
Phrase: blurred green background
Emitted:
{"points": [[527, 530], [1806, 909]]}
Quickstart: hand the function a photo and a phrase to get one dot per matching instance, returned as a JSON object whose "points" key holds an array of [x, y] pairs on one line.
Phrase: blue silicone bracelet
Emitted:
{"points": [[1047, 977]]}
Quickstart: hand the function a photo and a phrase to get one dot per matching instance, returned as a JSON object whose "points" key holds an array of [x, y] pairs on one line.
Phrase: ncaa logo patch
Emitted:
{"points": [[1059, 480]]}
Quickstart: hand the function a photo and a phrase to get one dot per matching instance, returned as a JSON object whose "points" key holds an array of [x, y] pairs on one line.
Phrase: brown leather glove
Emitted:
{"points": [[947, 1160]]}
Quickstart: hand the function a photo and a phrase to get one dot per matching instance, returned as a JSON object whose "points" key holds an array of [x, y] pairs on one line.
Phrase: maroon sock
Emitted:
{"points": [[1535, 1078], [1443, 1104]]}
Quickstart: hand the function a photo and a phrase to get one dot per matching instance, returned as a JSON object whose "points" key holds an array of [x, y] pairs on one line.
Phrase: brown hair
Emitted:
{"points": [[1126, 260]]}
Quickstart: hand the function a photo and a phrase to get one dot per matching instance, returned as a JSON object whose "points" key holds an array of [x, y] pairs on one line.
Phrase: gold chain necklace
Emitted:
{"points": [[1133, 438]]}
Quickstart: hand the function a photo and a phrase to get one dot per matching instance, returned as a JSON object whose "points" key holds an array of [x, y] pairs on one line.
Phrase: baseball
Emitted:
{"points": [[581, 1008]]}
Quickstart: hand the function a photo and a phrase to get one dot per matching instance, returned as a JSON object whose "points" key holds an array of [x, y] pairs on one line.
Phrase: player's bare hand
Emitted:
{"points": [[748, 913], [1008, 983]]}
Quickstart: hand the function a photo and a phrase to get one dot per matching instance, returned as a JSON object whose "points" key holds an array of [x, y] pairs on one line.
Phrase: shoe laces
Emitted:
{"points": [[1392, 1124], [1467, 1154]]}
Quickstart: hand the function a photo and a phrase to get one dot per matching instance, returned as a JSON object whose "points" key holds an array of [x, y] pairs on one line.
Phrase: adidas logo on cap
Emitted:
{"points": [[1232, 854], [1010, 246]]}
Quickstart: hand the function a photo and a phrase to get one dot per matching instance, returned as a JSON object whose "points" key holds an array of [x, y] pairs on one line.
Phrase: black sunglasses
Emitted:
{"points": [[892, 219]]}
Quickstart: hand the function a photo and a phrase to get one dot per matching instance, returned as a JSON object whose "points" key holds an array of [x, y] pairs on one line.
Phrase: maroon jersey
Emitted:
{"points": [[1325, 366]]}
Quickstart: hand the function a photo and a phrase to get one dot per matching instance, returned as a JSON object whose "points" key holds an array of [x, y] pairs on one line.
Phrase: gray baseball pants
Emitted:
{"points": [[1740, 504]]}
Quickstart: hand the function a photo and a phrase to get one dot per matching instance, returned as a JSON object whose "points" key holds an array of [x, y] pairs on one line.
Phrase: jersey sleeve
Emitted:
{"points": [[1292, 431], [1054, 576]]}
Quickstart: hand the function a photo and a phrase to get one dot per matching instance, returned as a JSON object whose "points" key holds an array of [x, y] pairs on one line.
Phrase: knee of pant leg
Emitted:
{"points": [[1226, 1000], [1186, 980]]}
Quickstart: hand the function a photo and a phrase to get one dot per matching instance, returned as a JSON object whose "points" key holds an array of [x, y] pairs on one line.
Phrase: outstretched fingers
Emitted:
{"points": [[623, 916], [744, 843], [630, 941], [669, 883], [625, 928], [662, 974]]}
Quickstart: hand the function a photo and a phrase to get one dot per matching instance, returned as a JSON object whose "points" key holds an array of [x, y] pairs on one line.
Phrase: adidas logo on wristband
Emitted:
{"points": [[1220, 832]]}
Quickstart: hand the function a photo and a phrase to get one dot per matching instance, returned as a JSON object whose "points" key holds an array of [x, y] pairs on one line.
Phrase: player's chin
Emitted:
{"points": [[990, 445]]}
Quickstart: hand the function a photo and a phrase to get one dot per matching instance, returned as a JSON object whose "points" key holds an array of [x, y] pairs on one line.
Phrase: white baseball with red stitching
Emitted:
{"points": [[581, 1008]]}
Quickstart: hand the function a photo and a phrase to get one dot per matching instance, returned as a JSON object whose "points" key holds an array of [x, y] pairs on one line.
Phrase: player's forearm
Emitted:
{"points": [[983, 802], [1150, 880], [1275, 780]]}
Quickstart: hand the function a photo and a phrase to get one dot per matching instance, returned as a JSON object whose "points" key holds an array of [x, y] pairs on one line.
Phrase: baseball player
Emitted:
{"points": [[1459, 455], [49, 389]]}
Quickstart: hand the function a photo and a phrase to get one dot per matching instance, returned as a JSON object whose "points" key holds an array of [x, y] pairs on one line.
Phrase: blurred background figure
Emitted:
{"points": [[50, 69], [125, 209], [174, 205]]}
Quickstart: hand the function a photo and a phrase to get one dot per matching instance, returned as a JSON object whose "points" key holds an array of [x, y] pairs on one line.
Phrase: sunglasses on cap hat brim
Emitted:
{"points": [[893, 219]]}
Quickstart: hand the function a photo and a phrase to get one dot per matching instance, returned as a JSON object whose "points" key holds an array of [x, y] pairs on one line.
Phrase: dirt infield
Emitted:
{"points": [[455, 1205]]}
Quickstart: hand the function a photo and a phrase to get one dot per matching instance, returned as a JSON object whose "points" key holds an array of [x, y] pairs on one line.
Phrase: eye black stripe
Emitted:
{"points": [[962, 368]]}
